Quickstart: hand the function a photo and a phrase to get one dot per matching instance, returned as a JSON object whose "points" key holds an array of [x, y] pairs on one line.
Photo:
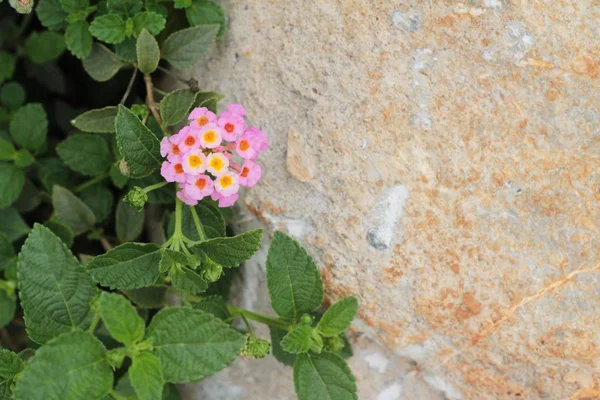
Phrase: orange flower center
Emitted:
{"points": [[245, 172], [175, 149], [190, 141], [203, 120], [244, 145], [210, 136], [195, 161], [229, 127], [226, 181], [201, 183], [178, 169]]}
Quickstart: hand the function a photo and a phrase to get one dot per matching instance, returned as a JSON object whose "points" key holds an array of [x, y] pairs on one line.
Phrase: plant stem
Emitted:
{"points": [[94, 324], [105, 244], [150, 99], [275, 322], [91, 182], [133, 76], [178, 216], [250, 330], [117, 396], [150, 188], [201, 234], [192, 83]]}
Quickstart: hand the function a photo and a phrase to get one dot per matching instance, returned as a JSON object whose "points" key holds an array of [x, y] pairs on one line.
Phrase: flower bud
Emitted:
{"points": [[255, 347], [211, 271], [334, 344], [140, 110], [136, 198], [306, 319]]}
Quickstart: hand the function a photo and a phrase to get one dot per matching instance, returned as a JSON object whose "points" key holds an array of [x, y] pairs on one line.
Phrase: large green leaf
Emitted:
{"points": [[187, 280], [12, 95], [109, 28], [230, 252], [210, 217], [192, 344], [79, 39], [100, 200], [62, 231], [13, 226], [73, 6], [277, 334], [44, 46], [338, 317], [139, 147], [293, 280], [186, 47], [85, 153], [298, 340], [323, 377], [72, 211], [175, 106], [51, 14], [129, 223], [151, 21], [54, 289], [148, 52], [97, 121], [29, 126], [214, 305], [121, 318], [126, 8], [128, 266], [10, 364], [12, 180], [102, 64], [146, 376], [203, 12], [148, 297], [71, 366]]}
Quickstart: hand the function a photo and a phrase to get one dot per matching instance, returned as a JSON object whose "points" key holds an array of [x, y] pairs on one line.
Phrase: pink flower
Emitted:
{"points": [[201, 116], [232, 124], [187, 140], [217, 164], [182, 195], [194, 162], [198, 187], [236, 109], [227, 184], [225, 201], [250, 173], [169, 147], [210, 136], [246, 148], [259, 139], [172, 171]]}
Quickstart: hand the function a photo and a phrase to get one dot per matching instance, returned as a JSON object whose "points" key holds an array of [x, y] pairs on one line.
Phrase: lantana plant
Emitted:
{"points": [[124, 299]]}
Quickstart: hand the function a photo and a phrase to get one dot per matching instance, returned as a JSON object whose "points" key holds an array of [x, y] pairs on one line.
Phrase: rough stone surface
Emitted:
{"points": [[442, 162]]}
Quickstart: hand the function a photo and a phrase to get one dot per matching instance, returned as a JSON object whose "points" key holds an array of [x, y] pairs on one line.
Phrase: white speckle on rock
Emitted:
{"points": [[406, 21], [518, 39], [493, 3], [438, 383], [377, 361], [392, 392], [389, 211]]}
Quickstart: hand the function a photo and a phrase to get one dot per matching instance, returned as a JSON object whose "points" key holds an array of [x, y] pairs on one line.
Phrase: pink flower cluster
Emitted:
{"points": [[200, 157]]}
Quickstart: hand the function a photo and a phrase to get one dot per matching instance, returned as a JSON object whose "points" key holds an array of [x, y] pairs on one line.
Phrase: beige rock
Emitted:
{"points": [[442, 162]]}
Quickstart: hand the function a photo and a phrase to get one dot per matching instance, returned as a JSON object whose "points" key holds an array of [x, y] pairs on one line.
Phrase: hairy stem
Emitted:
{"points": [[150, 99], [265, 319], [89, 183], [129, 86], [94, 324], [201, 234], [150, 188]]}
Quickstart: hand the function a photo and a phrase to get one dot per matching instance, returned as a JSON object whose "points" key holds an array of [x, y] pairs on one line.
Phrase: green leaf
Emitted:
{"points": [[127, 8], [214, 305], [72, 366], [79, 39], [24, 159], [139, 147], [52, 171], [54, 289], [186, 47], [100, 200], [12, 180], [7, 150], [109, 28], [151, 21], [13, 226], [7, 252], [44, 46], [102, 64], [293, 279], [12, 95], [204, 12], [129, 223], [85, 153], [148, 53], [8, 63], [186, 280], [72, 211], [29, 126], [97, 121], [29, 199], [183, 3], [146, 376], [10, 364], [51, 14], [169, 258], [61, 230], [175, 106], [323, 377], [22, 6], [298, 340], [148, 297], [281, 355], [126, 50], [209, 100], [230, 252], [128, 266], [73, 6], [338, 317], [120, 318], [8, 306], [192, 344], [210, 218]]}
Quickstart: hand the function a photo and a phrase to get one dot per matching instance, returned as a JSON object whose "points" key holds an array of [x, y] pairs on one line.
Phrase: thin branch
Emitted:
{"points": [[126, 95], [105, 244], [150, 99], [192, 83]]}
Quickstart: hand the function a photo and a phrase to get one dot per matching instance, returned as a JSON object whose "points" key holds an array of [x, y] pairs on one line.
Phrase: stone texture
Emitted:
{"points": [[441, 160]]}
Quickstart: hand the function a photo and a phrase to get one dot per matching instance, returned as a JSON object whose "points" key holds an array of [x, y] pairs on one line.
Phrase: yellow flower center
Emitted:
{"points": [[195, 161], [210, 137], [216, 164], [226, 181]]}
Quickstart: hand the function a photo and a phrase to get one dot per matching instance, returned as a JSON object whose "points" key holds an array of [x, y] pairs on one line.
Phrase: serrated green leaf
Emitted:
{"points": [[54, 289], [293, 279], [13, 226], [148, 297], [85, 153], [29, 126], [97, 121], [192, 344], [102, 64], [182, 3], [168, 259], [209, 100], [214, 305], [186, 47], [126, 50], [186, 280], [8, 307], [61, 230], [10, 364], [23, 159], [129, 223], [280, 355], [44, 46], [210, 217], [151, 21], [175, 106], [298, 340], [146, 376], [128, 266], [7, 150], [139, 147], [51, 14], [127, 8], [338, 317], [72, 366], [323, 377], [204, 12], [12, 180], [109, 28], [79, 39], [51, 171], [73, 6], [72, 211], [100, 200], [120, 318], [148, 53], [230, 252], [12, 95], [8, 63]]}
